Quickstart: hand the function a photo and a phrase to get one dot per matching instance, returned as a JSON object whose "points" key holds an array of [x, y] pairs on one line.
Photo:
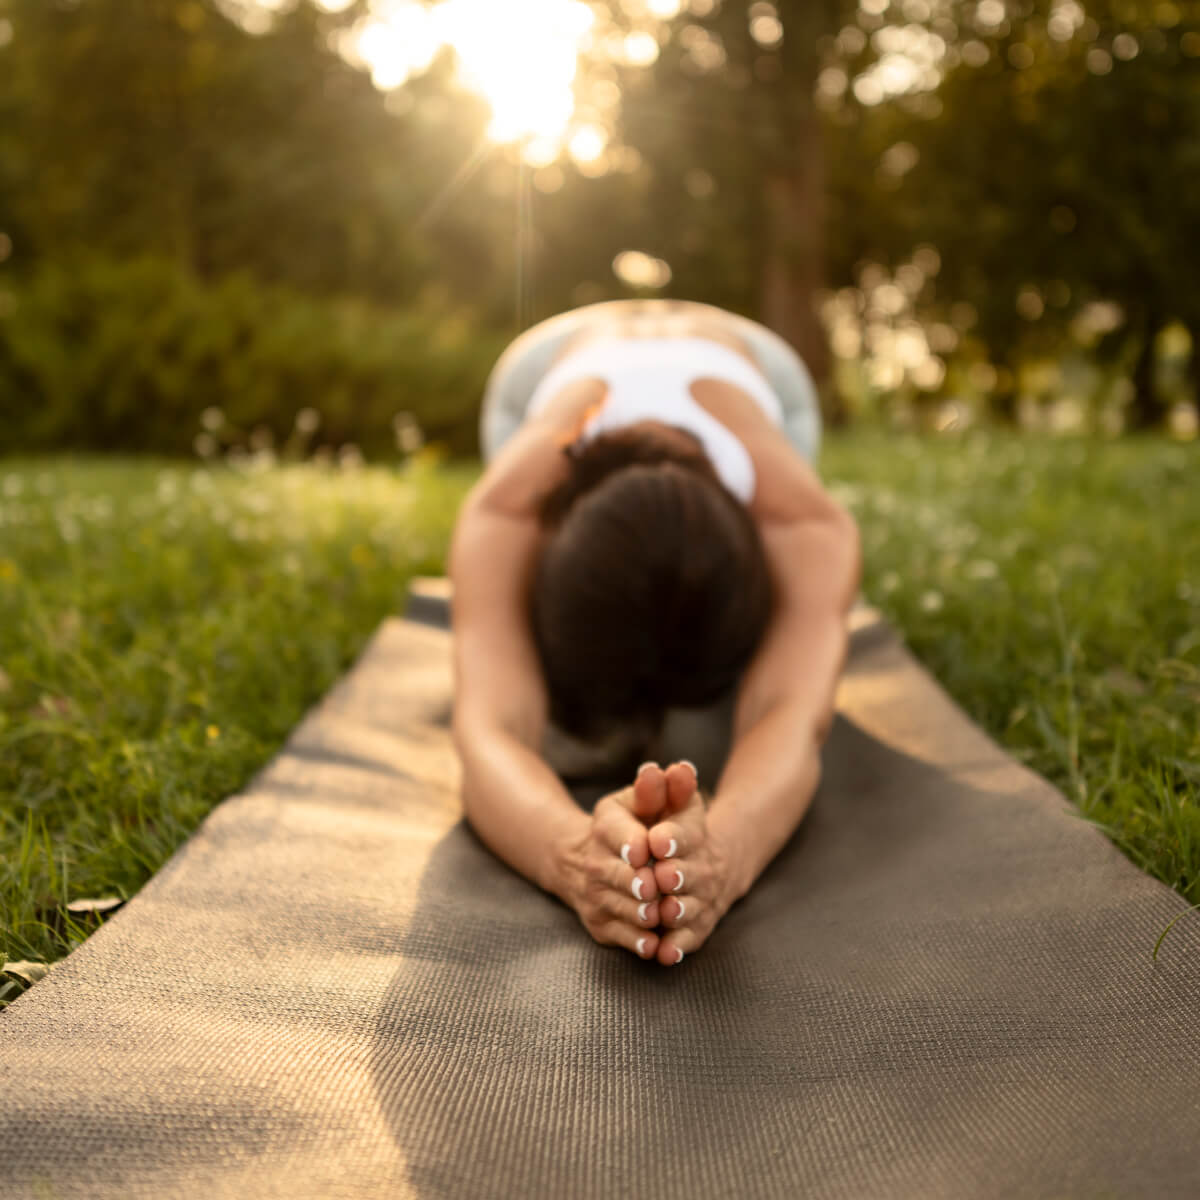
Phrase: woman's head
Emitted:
{"points": [[653, 589]]}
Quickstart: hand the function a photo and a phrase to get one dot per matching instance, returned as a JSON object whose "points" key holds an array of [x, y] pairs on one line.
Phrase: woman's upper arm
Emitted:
{"points": [[498, 680], [816, 566]]}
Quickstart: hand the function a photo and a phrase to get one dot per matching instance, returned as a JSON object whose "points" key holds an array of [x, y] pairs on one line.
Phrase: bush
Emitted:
{"points": [[104, 355]]}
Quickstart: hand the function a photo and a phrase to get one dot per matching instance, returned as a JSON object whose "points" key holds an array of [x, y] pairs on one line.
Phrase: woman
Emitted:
{"points": [[648, 536]]}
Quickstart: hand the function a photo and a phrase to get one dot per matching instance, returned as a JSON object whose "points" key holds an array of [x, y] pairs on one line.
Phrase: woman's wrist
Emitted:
{"points": [[566, 831], [728, 833]]}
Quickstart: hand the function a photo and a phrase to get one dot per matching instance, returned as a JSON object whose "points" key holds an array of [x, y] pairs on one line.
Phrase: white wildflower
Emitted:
{"points": [[307, 420]]}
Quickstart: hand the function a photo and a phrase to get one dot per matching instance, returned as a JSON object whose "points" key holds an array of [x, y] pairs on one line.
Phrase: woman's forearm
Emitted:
{"points": [[517, 804], [764, 791]]}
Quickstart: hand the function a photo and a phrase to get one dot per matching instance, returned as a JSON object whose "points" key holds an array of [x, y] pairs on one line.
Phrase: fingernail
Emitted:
{"points": [[679, 884], [688, 763], [671, 849], [682, 910], [637, 886], [645, 765], [642, 947], [645, 904], [625, 854], [680, 958]]}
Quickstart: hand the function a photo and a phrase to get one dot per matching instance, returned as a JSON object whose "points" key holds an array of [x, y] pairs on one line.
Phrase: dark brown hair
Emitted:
{"points": [[653, 589]]}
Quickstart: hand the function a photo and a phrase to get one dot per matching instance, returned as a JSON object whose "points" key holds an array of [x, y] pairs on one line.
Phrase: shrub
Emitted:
{"points": [[107, 355]]}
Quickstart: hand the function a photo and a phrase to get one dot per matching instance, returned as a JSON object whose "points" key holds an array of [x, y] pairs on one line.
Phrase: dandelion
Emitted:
{"points": [[212, 732], [931, 602], [212, 419], [205, 445], [982, 568], [847, 494], [8, 570], [889, 582], [307, 420], [409, 438], [350, 457], [262, 459]]}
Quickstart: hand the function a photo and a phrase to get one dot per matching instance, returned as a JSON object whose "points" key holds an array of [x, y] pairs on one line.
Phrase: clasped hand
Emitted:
{"points": [[646, 872]]}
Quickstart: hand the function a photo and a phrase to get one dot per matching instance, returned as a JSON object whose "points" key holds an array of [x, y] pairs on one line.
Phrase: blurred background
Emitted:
{"points": [[305, 223]]}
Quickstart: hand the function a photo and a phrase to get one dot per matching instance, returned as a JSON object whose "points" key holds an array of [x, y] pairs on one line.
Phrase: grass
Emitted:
{"points": [[164, 625]]}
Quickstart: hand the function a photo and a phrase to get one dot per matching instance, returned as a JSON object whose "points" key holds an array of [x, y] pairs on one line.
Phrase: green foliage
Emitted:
{"points": [[162, 629], [1007, 563], [104, 355], [1048, 155]]}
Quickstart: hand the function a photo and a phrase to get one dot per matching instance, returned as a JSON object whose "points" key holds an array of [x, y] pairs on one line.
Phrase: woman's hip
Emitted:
{"points": [[520, 368]]}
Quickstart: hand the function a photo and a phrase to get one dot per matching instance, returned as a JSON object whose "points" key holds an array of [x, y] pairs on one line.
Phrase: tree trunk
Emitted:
{"points": [[794, 203], [1147, 411], [1002, 403], [1193, 371]]}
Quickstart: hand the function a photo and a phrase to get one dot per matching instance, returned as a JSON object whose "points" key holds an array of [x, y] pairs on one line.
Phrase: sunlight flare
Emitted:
{"points": [[521, 57]]}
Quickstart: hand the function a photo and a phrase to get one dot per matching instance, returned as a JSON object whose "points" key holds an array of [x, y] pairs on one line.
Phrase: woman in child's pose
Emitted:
{"points": [[649, 534]]}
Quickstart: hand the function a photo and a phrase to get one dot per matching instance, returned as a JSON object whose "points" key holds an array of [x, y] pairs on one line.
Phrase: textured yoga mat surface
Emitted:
{"points": [[941, 988]]}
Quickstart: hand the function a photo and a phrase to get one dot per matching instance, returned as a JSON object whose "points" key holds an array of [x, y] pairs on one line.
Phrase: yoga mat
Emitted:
{"points": [[941, 987]]}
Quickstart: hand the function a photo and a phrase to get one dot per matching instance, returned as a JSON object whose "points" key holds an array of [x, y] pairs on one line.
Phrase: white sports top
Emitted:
{"points": [[648, 379]]}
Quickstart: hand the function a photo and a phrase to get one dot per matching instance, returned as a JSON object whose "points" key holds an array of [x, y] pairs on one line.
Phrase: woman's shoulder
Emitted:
{"points": [[787, 487], [531, 461]]}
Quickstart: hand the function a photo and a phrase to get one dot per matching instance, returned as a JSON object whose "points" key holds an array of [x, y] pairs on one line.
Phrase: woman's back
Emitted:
{"points": [[652, 378]]}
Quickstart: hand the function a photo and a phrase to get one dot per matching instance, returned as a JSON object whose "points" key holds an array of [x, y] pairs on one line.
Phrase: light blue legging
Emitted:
{"points": [[521, 367]]}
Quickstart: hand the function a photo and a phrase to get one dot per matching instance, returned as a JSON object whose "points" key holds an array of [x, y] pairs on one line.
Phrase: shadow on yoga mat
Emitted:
{"points": [[886, 1013], [941, 988]]}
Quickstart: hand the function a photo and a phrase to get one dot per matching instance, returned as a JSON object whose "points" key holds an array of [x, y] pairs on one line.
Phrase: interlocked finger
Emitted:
{"points": [[643, 943], [622, 833], [675, 875], [612, 879], [675, 911], [644, 914]]}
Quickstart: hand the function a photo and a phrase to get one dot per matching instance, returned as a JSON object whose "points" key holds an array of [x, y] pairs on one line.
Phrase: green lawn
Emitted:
{"points": [[164, 625]]}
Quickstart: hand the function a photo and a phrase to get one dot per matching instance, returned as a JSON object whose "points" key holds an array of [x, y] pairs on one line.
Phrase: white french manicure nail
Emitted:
{"points": [[680, 958], [642, 947], [637, 887], [682, 910], [645, 765], [645, 904], [680, 883], [625, 854], [671, 849], [686, 763]]}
